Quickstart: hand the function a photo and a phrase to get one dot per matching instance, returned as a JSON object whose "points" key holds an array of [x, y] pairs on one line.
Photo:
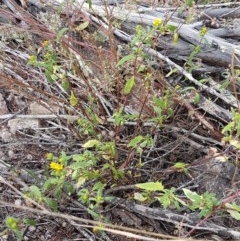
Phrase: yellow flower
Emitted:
{"points": [[47, 55], [203, 31], [45, 43], [56, 166], [157, 22], [32, 58]]}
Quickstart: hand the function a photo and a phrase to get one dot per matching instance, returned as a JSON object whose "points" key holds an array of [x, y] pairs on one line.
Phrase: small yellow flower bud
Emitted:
{"points": [[203, 31], [56, 166], [49, 156], [32, 58], [45, 43], [157, 22]]}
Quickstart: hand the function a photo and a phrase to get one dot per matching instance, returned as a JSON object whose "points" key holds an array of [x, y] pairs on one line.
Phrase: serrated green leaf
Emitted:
{"points": [[92, 213], [65, 84], [35, 192], [151, 186], [235, 143], [82, 26], [52, 204], [125, 59], [49, 78], [54, 77], [46, 185], [135, 141], [61, 33], [91, 143], [73, 99], [224, 84], [141, 68], [139, 197], [234, 214], [78, 157], [80, 182], [196, 98], [233, 206], [68, 186], [18, 234], [129, 85], [228, 127], [165, 201], [180, 201], [81, 165], [172, 28], [65, 157], [180, 165], [30, 222], [193, 196]]}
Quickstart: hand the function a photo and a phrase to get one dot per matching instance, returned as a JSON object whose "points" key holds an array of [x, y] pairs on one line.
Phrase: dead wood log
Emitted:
{"points": [[181, 50], [190, 220], [226, 32], [214, 46], [211, 13], [209, 54]]}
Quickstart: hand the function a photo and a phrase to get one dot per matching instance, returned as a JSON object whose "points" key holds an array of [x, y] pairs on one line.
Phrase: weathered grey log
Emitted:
{"points": [[215, 110], [189, 220], [182, 50], [187, 33], [230, 101], [226, 32], [133, 16], [220, 13]]}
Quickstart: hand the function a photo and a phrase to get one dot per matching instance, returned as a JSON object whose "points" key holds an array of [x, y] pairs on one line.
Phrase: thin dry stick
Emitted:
{"points": [[94, 224]]}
